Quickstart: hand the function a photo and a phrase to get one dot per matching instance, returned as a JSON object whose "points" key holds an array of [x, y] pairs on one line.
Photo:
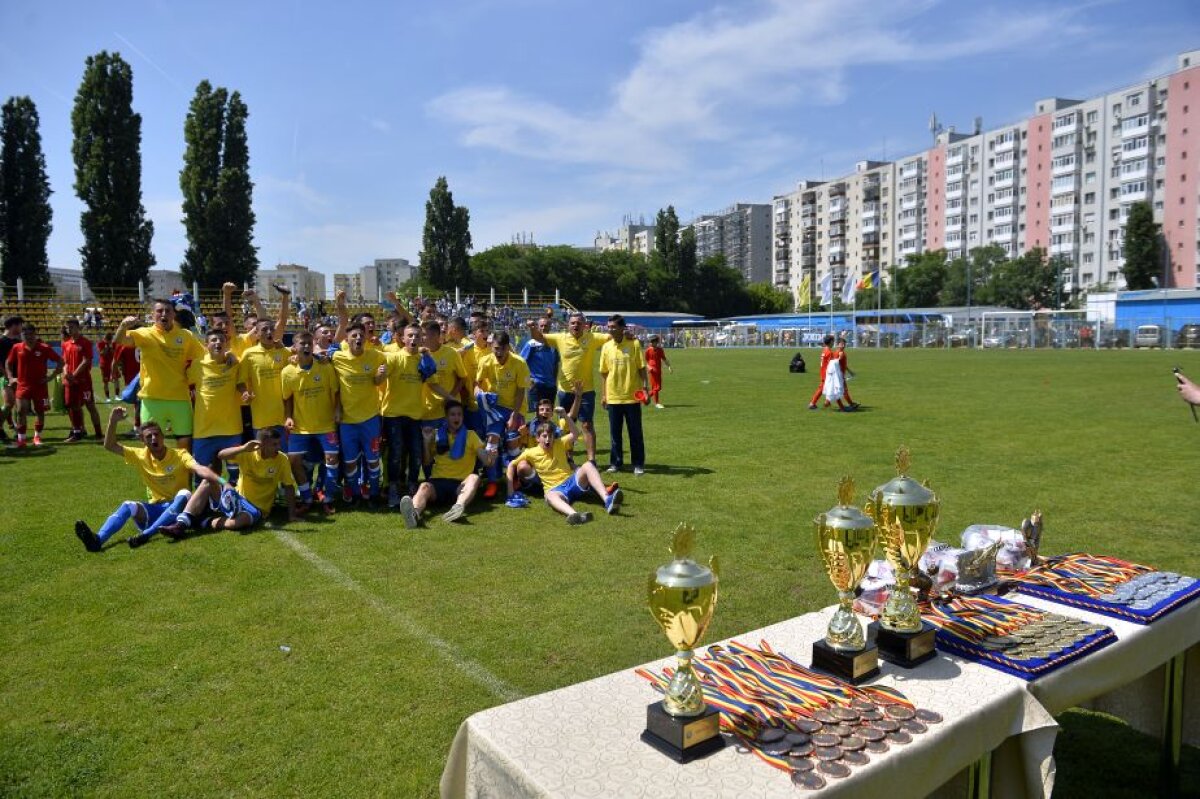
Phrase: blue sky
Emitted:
{"points": [[555, 119]]}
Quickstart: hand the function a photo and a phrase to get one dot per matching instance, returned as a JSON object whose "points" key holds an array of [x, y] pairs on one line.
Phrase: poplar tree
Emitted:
{"points": [[446, 241], [1143, 250], [24, 196], [108, 175]]}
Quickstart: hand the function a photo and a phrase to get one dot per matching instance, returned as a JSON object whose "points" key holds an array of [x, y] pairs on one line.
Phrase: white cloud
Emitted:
{"points": [[698, 82], [274, 191]]}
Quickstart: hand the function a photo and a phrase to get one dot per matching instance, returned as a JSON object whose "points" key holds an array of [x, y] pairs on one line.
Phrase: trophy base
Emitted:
{"points": [[905, 650], [853, 667], [683, 739]]}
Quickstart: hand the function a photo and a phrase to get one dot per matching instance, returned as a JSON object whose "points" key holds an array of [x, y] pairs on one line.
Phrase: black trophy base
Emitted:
{"points": [[905, 650], [683, 739], [853, 667]]}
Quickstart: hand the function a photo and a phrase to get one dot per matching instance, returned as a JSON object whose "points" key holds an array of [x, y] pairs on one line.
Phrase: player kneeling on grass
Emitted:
{"points": [[263, 470], [453, 478], [166, 474], [549, 460]]}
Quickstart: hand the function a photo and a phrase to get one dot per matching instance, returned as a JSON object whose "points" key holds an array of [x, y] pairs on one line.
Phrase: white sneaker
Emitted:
{"points": [[455, 513], [579, 518], [408, 512], [659, 405], [612, 469], [638, 471]]}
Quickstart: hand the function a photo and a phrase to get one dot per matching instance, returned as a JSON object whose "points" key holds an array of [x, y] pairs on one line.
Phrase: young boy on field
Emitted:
{"points": [[453, 478], [26, 368], [656, 358], [563, 487], [107, 351], [78, 393]]}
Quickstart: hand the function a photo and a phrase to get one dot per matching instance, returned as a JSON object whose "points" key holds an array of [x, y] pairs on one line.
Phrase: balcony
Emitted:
{"points": [[837, 216], [954, 194], [808, 220], [837, 258], [1005, 146], [909, 203], [837, 247], [1063, 226], [1064, 169], [870, 226], [955, 160], [1067, 126], [910, 170], [1140, 130], [808, 261], [870, 238], [837, 190], [1137, 152], [1003, 183], [836, 231], [870, 210], [1131, 195], [1062, 248], [1002, 238], [1135, 174], [808, 248], [908, 247], [908, 235], [1064, 188]]}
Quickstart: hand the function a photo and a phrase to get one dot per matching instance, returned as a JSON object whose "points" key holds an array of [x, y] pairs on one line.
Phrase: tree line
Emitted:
{"points": [[106, 149]]}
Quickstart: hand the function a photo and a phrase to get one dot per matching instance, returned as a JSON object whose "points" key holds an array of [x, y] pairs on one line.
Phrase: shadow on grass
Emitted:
{"points": [[29, 451], [673, 471], [1100, 755]]}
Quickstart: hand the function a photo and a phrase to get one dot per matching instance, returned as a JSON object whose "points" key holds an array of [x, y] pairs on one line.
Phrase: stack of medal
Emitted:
{"points": [[1017, 639], [798, 720], [1110, 586]]}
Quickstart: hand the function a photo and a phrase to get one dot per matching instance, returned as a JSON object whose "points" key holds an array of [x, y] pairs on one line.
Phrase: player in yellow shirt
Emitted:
{"points": [[166, 348], [450, 379], [310, 405], [453, 478], [360, 370], [259, 379], [403, 406], [577, 349], [218, 420], [623, 366], [502, 382], [563, 485], [166, 474], [264, 469]]}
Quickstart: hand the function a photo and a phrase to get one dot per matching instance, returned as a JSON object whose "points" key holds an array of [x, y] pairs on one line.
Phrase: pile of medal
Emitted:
{"points": [[829, 741], [1042, 639], [1147, 590]]}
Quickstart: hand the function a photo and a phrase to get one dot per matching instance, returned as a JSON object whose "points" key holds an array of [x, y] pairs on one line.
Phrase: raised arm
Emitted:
{"points": [[110, 432], [343, 315], [285, 307], [121, 336], [227, 290]]}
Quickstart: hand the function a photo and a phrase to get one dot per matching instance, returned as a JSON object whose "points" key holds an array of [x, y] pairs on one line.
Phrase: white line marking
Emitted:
{"points": [[475, 671]]}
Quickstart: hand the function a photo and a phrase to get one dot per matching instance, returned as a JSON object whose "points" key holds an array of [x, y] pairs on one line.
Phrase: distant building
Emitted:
{"points": [[350, 283], [68, 283], [629, 237], [304, 283], [742, 233], [375, 281]]}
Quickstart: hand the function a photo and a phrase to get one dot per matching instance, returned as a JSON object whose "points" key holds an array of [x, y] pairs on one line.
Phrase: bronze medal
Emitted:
{"points": [[856, 758], [834, 769]]}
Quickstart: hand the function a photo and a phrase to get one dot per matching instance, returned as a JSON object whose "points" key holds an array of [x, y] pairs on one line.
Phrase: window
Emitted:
{"points": [[1065, 140], [1063, 161], [1133, 187], [1139, 121], [1092, 116], [1136, 143], [1133, 165], [1134, 100], [1064, 121], [1064, 182]]}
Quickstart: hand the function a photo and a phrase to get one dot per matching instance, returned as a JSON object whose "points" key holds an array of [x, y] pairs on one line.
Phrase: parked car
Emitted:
{"points": [[1149, 336], [1114, 339], [1188, 336]]}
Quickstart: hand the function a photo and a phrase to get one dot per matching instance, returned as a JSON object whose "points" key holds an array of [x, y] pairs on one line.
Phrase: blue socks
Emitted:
{"points": [[112, 524]]}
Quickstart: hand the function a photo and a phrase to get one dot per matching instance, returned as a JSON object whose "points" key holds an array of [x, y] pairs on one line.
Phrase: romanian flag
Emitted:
{"points": [[869, 281], [804, 292]]}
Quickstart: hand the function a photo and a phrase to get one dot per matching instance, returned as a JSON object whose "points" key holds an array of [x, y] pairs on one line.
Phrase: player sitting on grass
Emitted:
{"points": [[167, 474], [526, 476], [549, 460], [453, 478]]}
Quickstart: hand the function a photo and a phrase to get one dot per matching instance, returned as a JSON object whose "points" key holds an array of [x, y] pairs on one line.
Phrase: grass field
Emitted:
{"points": [[162, 671]]}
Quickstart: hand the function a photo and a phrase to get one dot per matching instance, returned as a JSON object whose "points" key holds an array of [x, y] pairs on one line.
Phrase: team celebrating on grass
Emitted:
{"points": [[254, 420]]}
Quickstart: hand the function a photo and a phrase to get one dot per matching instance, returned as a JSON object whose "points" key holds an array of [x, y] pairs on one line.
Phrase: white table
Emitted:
{"points": [[582, 740]]}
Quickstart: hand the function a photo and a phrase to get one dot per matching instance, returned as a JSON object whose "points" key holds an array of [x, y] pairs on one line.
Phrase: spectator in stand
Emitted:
{"points": [[543, 365], [26, 367], [77, 382]]}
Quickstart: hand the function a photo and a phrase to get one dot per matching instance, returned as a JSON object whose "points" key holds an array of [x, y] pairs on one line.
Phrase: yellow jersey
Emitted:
{"points": [[313, 392], [240, 342], [402, 393], [445, 467], [163, 479], [471, 354], [259, 371], [576, 358], [621, 365], [552, 466], [165, 357], [356, 381], [261, 476], [508, 380], [218, 402], [449, 368]]}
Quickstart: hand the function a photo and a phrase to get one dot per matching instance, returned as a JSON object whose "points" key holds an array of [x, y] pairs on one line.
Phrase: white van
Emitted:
{"points": [[1148, 336]]}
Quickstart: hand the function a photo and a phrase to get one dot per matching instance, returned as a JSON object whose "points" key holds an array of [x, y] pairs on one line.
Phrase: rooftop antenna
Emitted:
{"points": [[935, 127]]}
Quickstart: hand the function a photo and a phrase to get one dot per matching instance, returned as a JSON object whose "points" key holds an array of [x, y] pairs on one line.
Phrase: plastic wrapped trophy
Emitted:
{"points": [[682, 597], [846, 538], [905, 514]]}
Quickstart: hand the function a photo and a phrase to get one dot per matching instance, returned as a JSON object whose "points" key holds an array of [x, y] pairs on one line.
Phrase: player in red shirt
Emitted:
{"points": [[26, 366], [846, 373], [827, 355], [656, 357], [77, 382], [108, 351]]}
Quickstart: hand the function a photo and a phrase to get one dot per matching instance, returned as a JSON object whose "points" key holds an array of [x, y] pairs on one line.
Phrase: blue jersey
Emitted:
{"points": [[543, 362]]}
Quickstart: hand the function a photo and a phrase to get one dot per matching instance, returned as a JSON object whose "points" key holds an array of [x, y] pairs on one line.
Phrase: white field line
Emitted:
{"points": [[470, 668]]}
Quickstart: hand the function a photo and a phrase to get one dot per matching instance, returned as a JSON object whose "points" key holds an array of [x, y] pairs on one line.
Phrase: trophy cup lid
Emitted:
{"points": [[844, 516], [683, 572], [902, 490]]}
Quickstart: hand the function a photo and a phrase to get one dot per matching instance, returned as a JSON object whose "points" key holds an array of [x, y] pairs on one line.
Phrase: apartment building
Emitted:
{"points": [[1062, 180], [743, 234], [629, 237], [374, 281], [304, 283]]}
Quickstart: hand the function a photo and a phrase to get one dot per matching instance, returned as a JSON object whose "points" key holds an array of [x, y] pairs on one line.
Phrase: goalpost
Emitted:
{"points": [[1030, 329]]}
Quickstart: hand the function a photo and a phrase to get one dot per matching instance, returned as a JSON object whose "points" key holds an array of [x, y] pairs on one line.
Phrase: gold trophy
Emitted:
{"points": [[682, 597], [846, 538], [905, 514]]}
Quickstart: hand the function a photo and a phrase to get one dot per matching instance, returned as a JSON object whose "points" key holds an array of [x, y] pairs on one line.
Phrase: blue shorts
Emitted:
{"points": [[445, 490], [571, 489], [361, 439], [587, 404], [153, 511], [243, 506], [204, 450], [313, 446]]}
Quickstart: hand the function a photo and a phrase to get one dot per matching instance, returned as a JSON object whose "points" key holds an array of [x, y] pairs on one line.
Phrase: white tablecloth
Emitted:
{"points": [[582, 740]]}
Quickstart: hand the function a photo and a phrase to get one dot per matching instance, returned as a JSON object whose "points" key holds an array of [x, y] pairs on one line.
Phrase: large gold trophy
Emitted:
{"points": [[683, 596], [905, 514], [846, 538]]}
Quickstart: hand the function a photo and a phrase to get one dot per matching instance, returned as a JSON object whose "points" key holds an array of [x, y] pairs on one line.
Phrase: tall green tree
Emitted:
{"points": [[1143, 248], [24, 196], [108, 175], [921, 279], [234, 215], [1028, 282], [446, 241]]}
